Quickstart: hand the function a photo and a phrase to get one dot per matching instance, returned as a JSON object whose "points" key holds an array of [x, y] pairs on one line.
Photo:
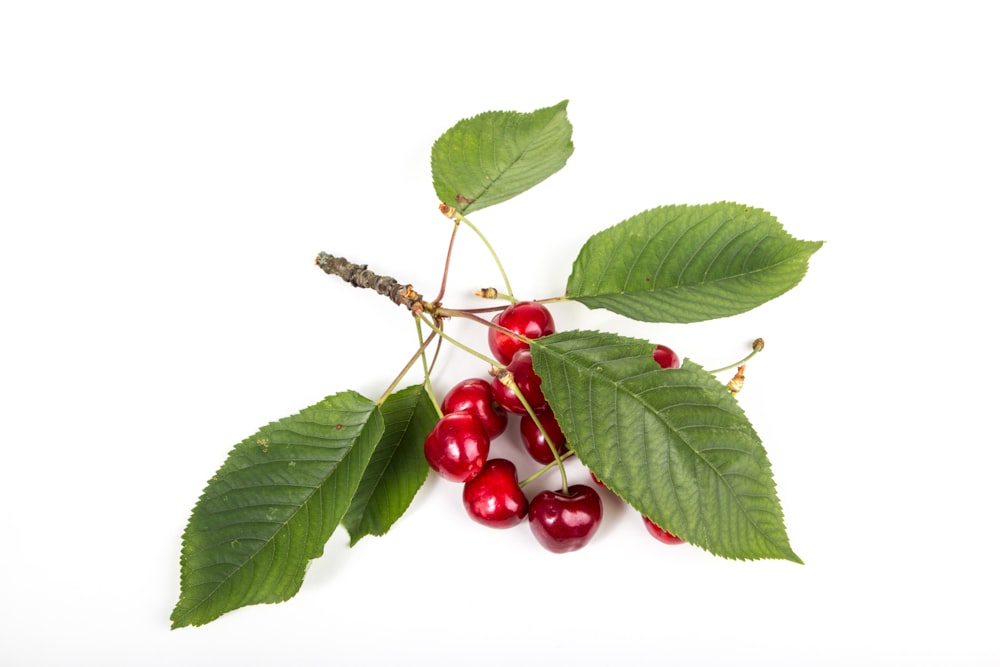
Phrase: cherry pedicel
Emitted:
{"points": [[565, 522], [493, 497], [527, 318], [666, 357], [527, 382], [474, 396], [660, 534], [534, 440], [457, 447]]}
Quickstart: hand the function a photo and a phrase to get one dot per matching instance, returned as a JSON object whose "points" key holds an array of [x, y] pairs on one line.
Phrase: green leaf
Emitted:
{"points": [[689, 263], [496, 155], [398, 467], [272, 506], [672, 442]]}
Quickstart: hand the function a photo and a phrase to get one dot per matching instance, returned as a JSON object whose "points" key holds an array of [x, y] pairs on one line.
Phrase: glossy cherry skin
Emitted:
{"points": [[534, 440], [457, 447], [660, 534], [527, 318], [563, 523], [493, 497], [526, 380], [666, 357], [474, 396]]}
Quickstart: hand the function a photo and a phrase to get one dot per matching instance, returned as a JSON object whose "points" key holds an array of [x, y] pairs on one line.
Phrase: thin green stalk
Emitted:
{"points": [[409, 364], [544, 469], [489, 247], [758, 345], [440, 332], [427, 369], [508, 381]]}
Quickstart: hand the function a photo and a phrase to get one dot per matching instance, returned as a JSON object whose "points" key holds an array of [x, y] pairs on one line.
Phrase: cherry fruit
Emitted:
{"points": [[527, 318], [526, 380], [493, 497], [565, 522], [534, 440], [474, 396], [457, 447], [666, 357], [660, 534], [597, 481]]}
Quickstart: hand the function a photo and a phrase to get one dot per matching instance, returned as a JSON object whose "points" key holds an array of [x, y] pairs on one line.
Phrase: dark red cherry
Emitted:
{"points": [[597, 481], [474, 396], [527, 318], [565, 522], [666, 357], [534, 440], [660, 534], [526, 380], [457, 447], [493, 497]]}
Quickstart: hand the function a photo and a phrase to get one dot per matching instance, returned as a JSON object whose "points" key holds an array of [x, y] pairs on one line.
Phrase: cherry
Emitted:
{"points": [[534, 440], [474, 396], [527, 318], [457, 447], [526, 380], [565, 522], [660, 534], [666, 357], [493, 497], [597, 481]]}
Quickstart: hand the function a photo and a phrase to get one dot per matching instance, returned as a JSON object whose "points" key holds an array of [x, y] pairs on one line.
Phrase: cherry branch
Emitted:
{"points": [[359, 276]]}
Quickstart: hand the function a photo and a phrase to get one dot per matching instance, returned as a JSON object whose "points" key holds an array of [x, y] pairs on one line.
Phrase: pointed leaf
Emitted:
{"points": [[672, 442], [272, 506], [496, 155], [689, 263], [398, 467]]}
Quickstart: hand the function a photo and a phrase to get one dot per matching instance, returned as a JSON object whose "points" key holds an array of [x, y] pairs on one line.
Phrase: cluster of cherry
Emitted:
{"points": [[476, 411]]}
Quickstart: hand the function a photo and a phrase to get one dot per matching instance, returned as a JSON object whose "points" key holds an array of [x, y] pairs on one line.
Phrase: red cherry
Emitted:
{"points": [[527, 318], [474, 396], [526, 380], [666, 357], [457, 447], [597, 481], [565, 522], [660, 534], [493, 497], [534, 440]]}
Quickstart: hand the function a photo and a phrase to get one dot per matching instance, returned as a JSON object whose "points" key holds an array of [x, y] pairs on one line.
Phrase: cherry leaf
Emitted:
{"points": [[398, 467], [272, 506], [496, 155], [689, 263], [673, 443]]}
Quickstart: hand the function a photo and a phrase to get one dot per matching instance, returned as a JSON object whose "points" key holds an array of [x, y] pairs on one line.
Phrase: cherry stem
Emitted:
{"points": [[508, 380], [409, 364], [758, 345], [447, 264], [503, 274], [472, 314], [440, 332], [544, 469], [553, 299], [427, 370]]}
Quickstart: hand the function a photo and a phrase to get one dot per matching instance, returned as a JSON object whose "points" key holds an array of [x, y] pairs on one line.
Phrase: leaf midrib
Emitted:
{"points": [[517, 159]]}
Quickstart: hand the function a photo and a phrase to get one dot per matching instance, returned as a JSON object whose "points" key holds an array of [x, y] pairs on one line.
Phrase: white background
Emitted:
{"points": [[168, 171]]}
